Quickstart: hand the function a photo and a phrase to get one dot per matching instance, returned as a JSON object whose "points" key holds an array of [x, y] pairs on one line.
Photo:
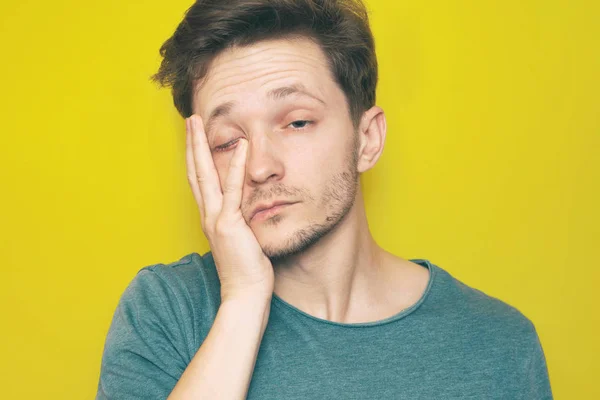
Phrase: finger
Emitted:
{"points": [[191, 169], [207, 177], [232, 192]]}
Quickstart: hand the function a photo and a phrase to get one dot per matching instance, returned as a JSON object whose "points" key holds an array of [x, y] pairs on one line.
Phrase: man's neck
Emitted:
{"points": [[341, 277]]}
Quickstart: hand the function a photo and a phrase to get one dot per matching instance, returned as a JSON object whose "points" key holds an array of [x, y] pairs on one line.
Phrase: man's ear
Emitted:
{"points": [[371, 136]]}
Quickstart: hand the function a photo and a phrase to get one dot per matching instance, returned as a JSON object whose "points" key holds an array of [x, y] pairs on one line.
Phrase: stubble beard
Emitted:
{"points": [[338, 198]]}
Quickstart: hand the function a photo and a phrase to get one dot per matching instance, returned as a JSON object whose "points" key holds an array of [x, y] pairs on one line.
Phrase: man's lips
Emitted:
{"points": [[266, 211]]}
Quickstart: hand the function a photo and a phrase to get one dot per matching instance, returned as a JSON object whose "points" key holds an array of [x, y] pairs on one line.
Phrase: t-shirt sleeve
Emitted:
{"points": [[146, 349], [537, 380]]}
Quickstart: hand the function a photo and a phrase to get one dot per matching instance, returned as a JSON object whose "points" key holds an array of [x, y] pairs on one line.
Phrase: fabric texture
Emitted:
{"points": [[456, 342]]}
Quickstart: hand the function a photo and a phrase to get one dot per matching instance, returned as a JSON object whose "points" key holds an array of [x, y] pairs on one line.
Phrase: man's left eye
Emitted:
{"points": [[302, 123]]}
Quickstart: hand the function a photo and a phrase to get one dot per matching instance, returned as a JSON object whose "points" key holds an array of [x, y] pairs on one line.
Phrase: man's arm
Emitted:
{"points": [[222, 368]]}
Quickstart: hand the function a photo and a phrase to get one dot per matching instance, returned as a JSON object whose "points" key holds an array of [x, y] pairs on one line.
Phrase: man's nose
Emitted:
{"points": [[263, 162]]}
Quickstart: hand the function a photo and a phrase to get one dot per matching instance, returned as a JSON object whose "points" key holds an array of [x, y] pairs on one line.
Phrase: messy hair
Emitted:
{"points": [[339, 27]]}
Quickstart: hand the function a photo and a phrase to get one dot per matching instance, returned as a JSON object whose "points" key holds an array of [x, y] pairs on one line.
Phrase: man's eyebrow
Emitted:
{"points": [[277, 94]]}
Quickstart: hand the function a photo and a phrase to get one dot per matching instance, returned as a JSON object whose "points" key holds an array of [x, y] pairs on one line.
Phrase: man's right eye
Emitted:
{"points": [[226, 146]]}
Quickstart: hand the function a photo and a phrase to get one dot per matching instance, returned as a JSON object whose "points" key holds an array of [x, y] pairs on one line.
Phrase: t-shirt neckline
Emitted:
{"points": [[422, 262]]}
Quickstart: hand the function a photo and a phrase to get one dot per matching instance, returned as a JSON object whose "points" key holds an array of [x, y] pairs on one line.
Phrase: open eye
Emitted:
{"points": [[303, 123]]}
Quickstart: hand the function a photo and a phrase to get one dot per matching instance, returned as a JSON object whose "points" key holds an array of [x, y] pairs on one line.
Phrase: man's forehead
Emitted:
{"points": [[256, 66]]}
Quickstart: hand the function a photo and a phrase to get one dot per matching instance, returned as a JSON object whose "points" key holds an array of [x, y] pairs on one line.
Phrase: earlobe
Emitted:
{"points": [[372, 137]]}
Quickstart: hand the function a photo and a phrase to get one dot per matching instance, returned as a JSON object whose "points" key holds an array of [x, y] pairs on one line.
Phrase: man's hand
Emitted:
{"points": [[244, 270]]}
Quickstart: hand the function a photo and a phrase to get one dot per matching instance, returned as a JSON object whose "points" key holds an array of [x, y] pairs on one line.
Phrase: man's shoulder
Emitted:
{"points": [[477, 308], [190, 284], [162, 317], [187, 269]]}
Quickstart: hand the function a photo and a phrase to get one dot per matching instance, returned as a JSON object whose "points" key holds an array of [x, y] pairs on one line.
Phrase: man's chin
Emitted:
{"points": [[276, 243], [271, 237]]}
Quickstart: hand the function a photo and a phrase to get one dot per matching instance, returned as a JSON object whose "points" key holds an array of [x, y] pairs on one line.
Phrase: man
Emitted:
{"points": [[296, 300]]}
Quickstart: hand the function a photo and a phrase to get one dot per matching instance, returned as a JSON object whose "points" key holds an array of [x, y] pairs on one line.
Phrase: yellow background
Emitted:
{"points": [[490, 170]]}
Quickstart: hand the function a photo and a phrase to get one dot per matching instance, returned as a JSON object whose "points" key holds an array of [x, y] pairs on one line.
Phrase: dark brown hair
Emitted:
{"points": [[339, 27]]}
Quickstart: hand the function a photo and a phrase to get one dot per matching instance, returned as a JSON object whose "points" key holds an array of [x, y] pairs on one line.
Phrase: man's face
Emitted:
{"points": [[312, 164]]}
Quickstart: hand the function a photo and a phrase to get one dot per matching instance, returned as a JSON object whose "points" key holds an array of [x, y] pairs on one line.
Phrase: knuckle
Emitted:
{"points": [[222, 228]]}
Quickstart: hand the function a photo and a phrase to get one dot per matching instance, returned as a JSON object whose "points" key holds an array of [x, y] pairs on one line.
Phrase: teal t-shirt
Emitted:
{"points": [[456, 342]]}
